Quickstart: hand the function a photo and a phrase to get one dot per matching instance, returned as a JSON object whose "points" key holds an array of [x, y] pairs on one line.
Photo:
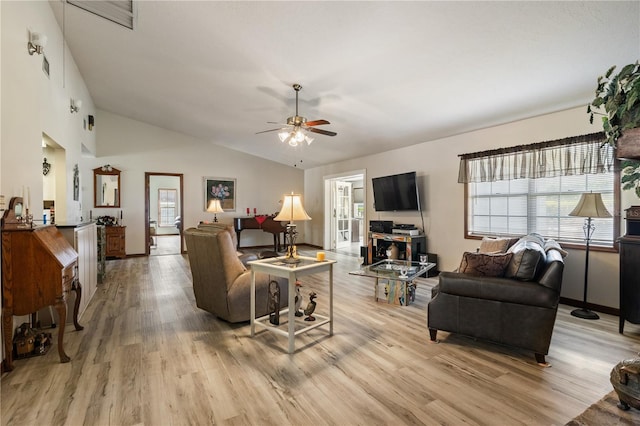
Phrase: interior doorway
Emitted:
{"points": [[54, 182], [345, 212], [164, 213]]}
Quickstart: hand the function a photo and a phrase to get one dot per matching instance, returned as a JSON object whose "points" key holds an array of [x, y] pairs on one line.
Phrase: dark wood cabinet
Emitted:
{"points": [[115, 241], [629, 280]]}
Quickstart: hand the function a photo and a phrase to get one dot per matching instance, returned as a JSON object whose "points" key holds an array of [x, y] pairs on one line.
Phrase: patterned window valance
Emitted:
{"points": [[576, 155]]}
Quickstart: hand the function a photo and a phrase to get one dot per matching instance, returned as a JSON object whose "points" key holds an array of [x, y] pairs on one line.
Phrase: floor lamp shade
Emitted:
{"points": [[292, 209], [215, 207], [589, 206]]}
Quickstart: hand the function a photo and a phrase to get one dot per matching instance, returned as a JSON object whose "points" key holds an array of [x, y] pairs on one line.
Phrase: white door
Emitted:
{"points": [[343, 213]]}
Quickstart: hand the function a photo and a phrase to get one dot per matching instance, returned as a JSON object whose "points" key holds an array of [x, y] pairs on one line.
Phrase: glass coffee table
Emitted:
{"points": [[395, 279]]}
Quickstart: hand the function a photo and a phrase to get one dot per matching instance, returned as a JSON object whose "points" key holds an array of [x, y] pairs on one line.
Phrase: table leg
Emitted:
{"points": [[291, 325], [61, 307], [7, 330], [78, 289], [253, 302], [331, 299], [375, 290]]}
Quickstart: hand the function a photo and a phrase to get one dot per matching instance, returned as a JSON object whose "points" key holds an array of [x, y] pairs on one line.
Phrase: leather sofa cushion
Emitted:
{"points": [[484, 264], [528, 259], [498, 289]]}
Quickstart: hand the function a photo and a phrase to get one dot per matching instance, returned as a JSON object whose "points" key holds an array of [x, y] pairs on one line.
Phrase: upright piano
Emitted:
{"points": [[264, 222], [39, 267]]}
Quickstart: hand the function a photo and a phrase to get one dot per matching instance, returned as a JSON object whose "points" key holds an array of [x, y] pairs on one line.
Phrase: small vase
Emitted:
{"points": [[394, 251]]}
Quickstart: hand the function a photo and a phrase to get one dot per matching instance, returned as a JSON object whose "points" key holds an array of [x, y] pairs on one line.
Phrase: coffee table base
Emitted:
{"points": [[395, 292]]}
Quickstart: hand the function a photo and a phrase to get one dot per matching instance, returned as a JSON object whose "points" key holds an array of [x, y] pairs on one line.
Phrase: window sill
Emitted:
{"points": [[564, 245]]}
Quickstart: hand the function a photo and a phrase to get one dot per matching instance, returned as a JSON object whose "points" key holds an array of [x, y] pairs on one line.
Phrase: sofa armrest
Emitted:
{"points": [[552, 275]]}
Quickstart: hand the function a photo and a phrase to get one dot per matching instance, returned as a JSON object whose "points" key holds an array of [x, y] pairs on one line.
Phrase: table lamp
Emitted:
{"points": [[292, 210], [589, 206], [215, 207]]}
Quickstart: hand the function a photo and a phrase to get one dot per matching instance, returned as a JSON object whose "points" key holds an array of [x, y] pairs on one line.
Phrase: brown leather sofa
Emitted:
{"points": [[511, 310], [221, 283]]}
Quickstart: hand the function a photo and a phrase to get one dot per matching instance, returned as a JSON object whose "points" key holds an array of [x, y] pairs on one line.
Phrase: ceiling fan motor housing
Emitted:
{"points": [[296, 120]]}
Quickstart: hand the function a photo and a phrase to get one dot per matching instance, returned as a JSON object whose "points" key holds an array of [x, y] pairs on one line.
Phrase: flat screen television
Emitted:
{"points": [[395, 192]]}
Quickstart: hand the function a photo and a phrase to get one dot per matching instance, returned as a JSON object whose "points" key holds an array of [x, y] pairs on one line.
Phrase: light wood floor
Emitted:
{"points": [[148, 356]]}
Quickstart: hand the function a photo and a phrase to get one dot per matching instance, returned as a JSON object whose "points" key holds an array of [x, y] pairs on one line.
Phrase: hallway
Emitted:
{"points": [[165, 244]]}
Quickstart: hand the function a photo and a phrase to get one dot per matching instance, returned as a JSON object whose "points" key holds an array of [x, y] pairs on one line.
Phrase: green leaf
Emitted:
{"points": [[609, 71], [626, 71], [638, 191]]}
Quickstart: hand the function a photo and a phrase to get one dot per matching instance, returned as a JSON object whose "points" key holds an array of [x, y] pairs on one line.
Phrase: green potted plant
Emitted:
{"points": [[619, 95]]}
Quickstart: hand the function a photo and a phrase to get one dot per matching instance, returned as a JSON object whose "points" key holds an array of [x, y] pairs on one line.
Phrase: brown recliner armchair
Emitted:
{"points": [[516, 309], [221, 283]]}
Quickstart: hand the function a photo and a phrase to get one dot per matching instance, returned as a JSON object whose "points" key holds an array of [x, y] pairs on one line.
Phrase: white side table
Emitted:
{"points": [[276, 266]]}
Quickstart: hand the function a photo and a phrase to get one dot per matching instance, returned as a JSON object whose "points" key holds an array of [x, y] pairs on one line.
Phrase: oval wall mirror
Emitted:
{"points": [[106, 186]]}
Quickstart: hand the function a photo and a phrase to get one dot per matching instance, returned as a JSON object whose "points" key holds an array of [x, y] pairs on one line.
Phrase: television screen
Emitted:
{"points": [[396, 192]]}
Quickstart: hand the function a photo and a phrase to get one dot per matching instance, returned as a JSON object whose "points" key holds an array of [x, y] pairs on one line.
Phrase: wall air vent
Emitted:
{"points": [[45, 65], [119, 11]]}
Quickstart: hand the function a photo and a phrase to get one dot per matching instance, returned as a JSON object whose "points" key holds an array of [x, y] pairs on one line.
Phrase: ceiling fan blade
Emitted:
{"points": [[271, 130], [316, 122], [322, 132]]}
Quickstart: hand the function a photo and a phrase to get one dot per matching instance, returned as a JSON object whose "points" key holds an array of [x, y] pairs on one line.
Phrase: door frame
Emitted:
{"points": [[329, 219], [147, 208]]}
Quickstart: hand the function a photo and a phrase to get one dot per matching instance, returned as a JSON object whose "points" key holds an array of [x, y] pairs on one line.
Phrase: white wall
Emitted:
{"points": [[436, 164], [39, 105], [136, 148], [33, 104]]}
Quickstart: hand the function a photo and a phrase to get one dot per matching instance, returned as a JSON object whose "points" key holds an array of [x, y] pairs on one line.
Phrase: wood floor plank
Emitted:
{"points": [[149, 356]]}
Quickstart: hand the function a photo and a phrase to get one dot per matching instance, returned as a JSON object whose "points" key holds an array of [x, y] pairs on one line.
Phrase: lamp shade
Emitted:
{"points": [[590, 205], [292, 209], [215, 206]]}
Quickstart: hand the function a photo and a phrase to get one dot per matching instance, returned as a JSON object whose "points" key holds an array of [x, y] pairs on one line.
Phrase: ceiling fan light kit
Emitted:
{"points": [[298, 129]]}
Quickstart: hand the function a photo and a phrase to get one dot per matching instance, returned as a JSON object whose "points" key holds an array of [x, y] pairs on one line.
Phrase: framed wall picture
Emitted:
{"points": [[76, 183], [224, 189]]}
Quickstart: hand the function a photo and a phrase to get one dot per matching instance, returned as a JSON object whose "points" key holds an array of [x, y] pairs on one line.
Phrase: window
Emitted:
{"points": [[167, 206], [533, 188]]}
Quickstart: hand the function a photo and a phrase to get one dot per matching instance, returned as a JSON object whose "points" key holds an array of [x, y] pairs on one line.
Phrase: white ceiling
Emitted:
{"points": [[385, 74]]}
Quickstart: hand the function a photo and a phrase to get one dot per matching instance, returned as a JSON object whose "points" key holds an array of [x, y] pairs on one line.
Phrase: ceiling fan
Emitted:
{"points": [[297, 127]]}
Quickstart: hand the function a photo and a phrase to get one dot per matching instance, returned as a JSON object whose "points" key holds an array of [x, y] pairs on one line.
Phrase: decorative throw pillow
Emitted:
{"points": [[494, 245], [484, 264], [528, 258]]}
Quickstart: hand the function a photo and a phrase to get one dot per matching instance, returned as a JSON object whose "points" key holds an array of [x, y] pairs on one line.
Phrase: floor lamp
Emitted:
{"points": [[292, 210], [589, 206]]}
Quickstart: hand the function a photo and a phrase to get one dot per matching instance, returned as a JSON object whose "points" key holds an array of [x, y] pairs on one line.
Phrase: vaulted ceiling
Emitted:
{"points": [[385, 74]]}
